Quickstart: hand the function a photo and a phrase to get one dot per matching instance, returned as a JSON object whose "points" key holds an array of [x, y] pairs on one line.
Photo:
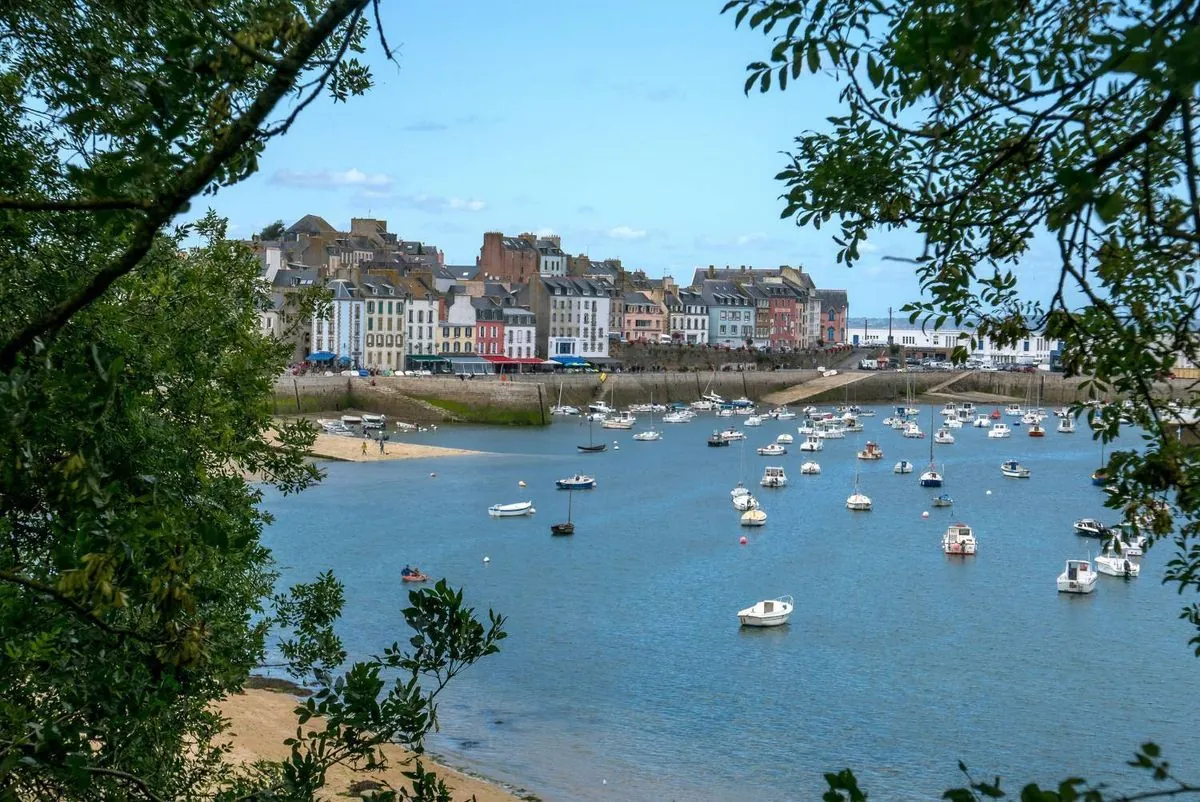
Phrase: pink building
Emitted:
{"points": [[835, 310], [644, 319]]}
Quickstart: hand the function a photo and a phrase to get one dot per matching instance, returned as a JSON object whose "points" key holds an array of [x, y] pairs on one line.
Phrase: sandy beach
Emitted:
{"points": [[261, 719], [333, 446]]}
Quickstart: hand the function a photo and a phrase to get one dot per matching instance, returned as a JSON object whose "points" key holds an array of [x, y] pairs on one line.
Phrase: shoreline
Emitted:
{"points": [[261, 719], [350, 449]]}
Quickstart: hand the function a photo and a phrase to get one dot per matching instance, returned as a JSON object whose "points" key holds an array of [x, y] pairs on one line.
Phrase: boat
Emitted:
{"points": [[732, 434], [830, 430], [679, 416], [754, 517], [1036, 430], [739, 490], [511, 510], [370, 421], [810, 469], [785, 439], [716, 440], [333, 426], [1014, 470], [352, 420], [567, 527], [812, 443], [871, 451], [1014, 410], [1090, 527], [1100, 475], [783, 413], [913, 431], [767, 613], [576, 482], [999, 430], [981, 422], [903, 466], [995, 413], [1077, 577], [1119, 565], [622, 420], [943, 500], [943, 436], [931, 477], [592, 447], [773, 476], [600, 408], [745, 503], [413, 574], [959, 540], [1066, 425], [650, 434], [858, 501], [560, 408], [772, 450], [754, 420]]}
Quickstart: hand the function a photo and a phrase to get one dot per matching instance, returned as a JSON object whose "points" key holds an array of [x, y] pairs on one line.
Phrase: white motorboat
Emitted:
{"points": [[333, 426], [785, 439], [772, 450], [1090, 527], [871, 451], [732, 434], [999, 430], [1014, 470], [1077, 577], [511, 510], [810, 469], [903, 466], [952, 423], [740, 490], [725, 412], [371, 421], [858, 501], [647, 436], [744, 503], [577, 482], [703, 405], [806, 429], [773, 476], [1014, 411], [601, 408], [1115, 564], [754, 420], [352, 420], [812, 443], [830, 430], [959, 540], [851, 424], [943, 437], [623, 420], [1066, 425], [754, 517], [783, 413], [913, 431], [981, 422], [767, 613], [679, 416]]}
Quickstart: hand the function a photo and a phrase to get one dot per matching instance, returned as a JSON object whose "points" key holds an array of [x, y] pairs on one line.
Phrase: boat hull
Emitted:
{"points": [[592, 449], [764, 621]]}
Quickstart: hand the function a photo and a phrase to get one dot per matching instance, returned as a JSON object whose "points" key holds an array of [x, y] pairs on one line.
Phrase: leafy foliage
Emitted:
{"points": [[134, 389], [986, 126]]}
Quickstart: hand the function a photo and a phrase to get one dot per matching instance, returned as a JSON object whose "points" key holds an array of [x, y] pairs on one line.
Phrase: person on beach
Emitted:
{"points": [[380, 445], [364, 449]]}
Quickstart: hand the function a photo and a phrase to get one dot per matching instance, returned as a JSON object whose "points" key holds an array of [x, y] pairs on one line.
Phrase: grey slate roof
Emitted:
{"points": [[573, 285], [456, 272], [723, 293], [287, 277], [832, 299], [638, 299]]}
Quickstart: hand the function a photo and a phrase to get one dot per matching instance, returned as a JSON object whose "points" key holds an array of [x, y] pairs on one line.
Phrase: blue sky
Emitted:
{"points": [[620, 126]]}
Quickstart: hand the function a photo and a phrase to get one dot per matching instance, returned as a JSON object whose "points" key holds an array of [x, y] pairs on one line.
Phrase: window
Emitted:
{"points": [[370, 307], [832, 317], [456, 346], [1025, 346], [467, 347], [389, 320], [446, 332], [389, 312], [829, 333], [468, 332], [410, 316]]}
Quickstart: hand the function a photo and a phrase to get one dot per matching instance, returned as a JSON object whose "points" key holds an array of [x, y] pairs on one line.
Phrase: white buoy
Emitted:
{"points": [[487, 559], [616, 447], [432, 475], [988, 493], [521, 483], [925, 514]]}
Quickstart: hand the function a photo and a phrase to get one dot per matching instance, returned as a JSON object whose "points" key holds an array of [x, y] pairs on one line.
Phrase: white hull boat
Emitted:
{"points": [[767, 613], [732, 434], [1118, 565], [773, 477], [812, 443], [1078, 577], [745, 503], [678, 417], [998, 431], [740, 490], [943, 437], [564, 410], [754, 517], [810, 469], [982, 422], [785, 439], [1066, 426], [903, 466], [959, 540], [647, 436], [754, 420], [773, 450], [1014, 470], [511, 510]]}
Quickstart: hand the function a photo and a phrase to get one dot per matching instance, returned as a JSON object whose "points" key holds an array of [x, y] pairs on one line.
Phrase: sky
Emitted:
{"points": [[620, 126]]}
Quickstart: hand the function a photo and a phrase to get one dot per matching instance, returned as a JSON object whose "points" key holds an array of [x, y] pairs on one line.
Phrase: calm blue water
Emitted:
{"points": [[626, 677]]}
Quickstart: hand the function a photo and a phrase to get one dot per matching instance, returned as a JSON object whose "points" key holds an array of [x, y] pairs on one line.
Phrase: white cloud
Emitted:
{"points": [[460, 205], [626, 233], [436, 204], [544, 232], [866, 247], [750, 239], [324, 179]]}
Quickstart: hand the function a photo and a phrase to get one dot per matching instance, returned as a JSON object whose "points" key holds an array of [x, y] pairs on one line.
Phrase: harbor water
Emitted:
{"points": [[626, 676]]}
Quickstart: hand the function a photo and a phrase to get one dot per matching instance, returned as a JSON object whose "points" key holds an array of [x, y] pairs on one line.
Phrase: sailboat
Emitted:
{"points": [[592, 447], [931, 478], [1035, 427], [568, 527], [560, 408], [858, 501], [1100, 475], [740, 490], [651, 433]]}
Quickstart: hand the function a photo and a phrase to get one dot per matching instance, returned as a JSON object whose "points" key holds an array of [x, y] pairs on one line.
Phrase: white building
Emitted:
{"points": [[384, 347], [1034, 350], [687, 316], [551, 259], [571, 317], [420, 317], [520, 333], [341, 330]]}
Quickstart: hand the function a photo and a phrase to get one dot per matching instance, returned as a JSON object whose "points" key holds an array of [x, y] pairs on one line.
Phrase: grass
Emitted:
{"points": [[494, 415]]}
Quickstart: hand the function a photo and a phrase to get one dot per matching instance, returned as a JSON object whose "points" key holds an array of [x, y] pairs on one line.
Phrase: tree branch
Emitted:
{"points": [[256, 55], [80, 610], [133, 780], [192, 180]]}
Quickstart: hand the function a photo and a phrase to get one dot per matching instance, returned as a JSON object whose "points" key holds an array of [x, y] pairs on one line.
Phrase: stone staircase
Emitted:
{"points": [[821, 384]]}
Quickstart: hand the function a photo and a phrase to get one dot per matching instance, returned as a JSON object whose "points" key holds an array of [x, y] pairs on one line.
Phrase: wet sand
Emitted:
{"points": [[260, 720], [333, 446]]}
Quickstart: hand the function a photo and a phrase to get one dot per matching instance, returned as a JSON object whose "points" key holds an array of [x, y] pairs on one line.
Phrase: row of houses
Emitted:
{"points": [[393, 304]]}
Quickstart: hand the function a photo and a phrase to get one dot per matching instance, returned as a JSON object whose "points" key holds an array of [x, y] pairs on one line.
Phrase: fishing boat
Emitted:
{"points": [[352, 420], [560, 408], [731, 434], [767, 613], [858, 501], [716, 440], [413, 574], [622, 420], [576, 482], [567, 527], [785, 439], [912, 430], [812, 443], [754, 517], [1077, 577], [754, 420], [810, 469], [772, 450], [744, 503], [1066, 425], [1118, 565], [959, 540], [511, 510], [773, 476], [1014, 411], [1014, 470], [1036, 430], [981, 422], [871, 451], [943, 500], [783, 413], [370, 421], [943, 436], [592, 447], [998, 431], [903, 466]]}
